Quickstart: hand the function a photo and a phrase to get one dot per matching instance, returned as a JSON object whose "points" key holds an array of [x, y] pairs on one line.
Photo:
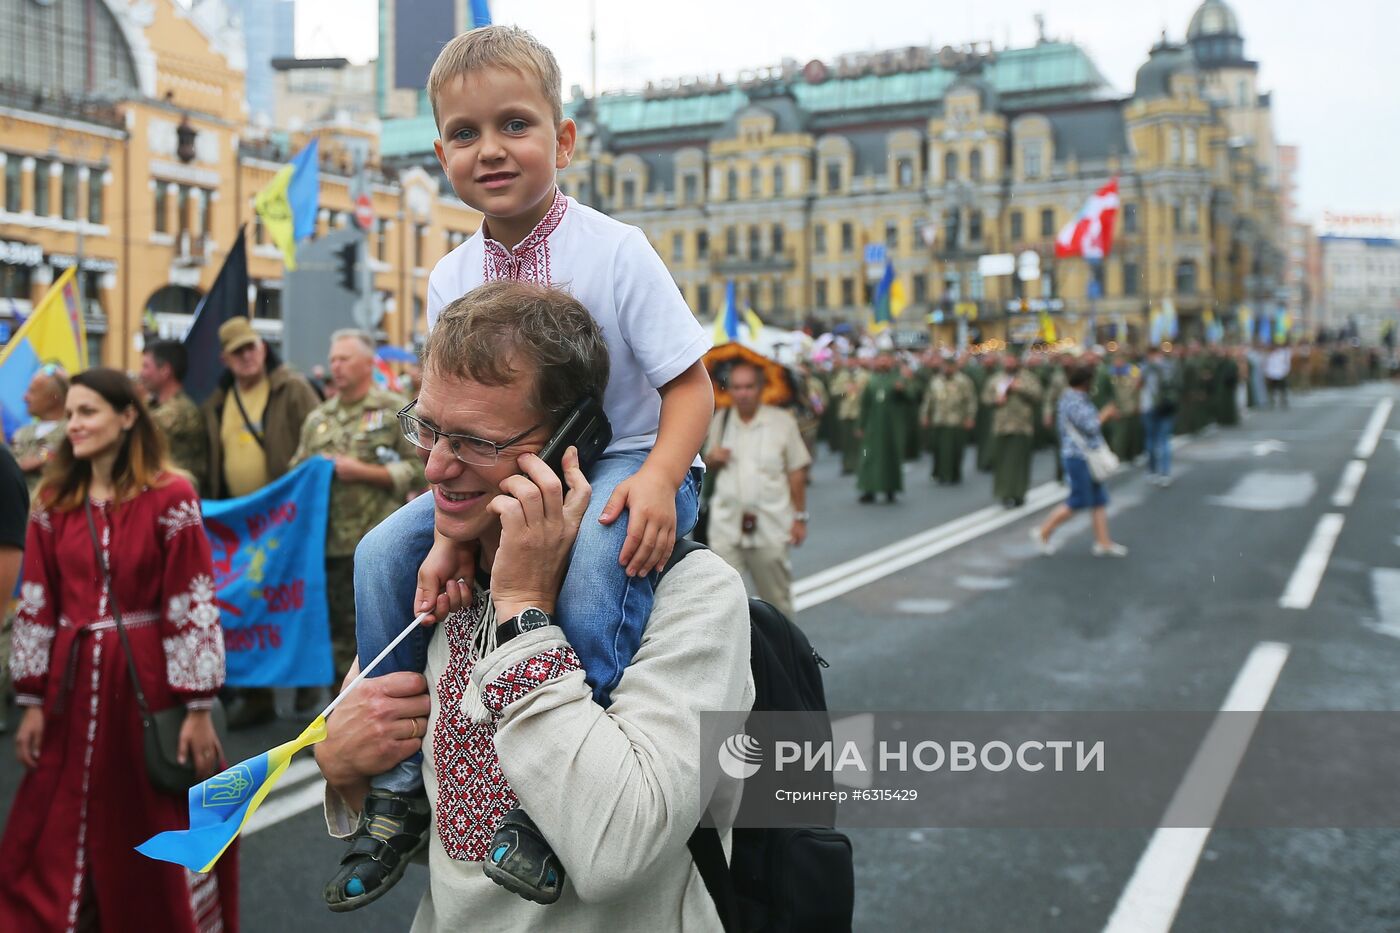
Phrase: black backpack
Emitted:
{"points": [[789, 878]]}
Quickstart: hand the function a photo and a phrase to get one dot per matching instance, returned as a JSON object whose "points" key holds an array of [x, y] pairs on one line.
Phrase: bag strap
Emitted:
{"points": [[708, 853], [257, 436], [704, 844], [117, 614]]}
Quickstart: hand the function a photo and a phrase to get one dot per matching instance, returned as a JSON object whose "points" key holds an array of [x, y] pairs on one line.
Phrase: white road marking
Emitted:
{"points": [[931, 607], [984, 583], [1271, 446], [881, 555], [1351, 481], [1302, 586], [1372, 435], [1153, 895], [1385, 587], [284, 806], [843, 578], [1266, 491]]}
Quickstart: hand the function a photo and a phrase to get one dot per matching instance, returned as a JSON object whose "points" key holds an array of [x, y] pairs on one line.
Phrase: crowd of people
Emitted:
{"points": [[546, 789]]}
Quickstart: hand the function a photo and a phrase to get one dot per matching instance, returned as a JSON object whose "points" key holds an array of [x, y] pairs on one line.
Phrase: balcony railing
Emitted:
{"points": [[727, 264]]}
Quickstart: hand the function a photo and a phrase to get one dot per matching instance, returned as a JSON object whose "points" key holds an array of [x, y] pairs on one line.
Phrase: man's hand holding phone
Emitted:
{"points": [[538, 527]]}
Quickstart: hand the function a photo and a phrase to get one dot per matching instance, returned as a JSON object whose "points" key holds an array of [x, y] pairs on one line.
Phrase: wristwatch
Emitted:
{"points": [[529, 619], [803, 517]]}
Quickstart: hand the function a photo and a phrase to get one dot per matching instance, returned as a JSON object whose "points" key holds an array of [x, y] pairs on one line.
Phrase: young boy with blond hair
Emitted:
{"points": [[495, 93]]}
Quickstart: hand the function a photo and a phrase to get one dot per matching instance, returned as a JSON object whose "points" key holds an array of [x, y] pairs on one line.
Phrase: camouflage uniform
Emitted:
{"points": [[26, 443], [950, 404], [1013, 433], [180, 420], [1055, 386], [846, 389], [1124, 430], [367, 430]]}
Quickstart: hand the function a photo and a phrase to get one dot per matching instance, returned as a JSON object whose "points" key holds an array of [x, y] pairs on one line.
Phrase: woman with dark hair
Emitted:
{"points": [[1080, 428], [67, 859]]}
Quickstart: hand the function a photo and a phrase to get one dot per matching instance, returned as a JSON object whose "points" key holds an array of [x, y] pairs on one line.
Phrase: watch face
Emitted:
{"points": [[531, 619]]}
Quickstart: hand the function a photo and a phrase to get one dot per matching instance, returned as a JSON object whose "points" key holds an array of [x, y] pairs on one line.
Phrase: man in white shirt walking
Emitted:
{"points": [[759, 506], [1277, 366]]}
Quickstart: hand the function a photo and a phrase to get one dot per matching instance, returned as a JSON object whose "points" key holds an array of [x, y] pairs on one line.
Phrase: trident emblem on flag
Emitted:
{"points": [[228, 788]]}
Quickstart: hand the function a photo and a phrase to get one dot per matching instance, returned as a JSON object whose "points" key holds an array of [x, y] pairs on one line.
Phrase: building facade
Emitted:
{"points": [[269, 32], [1360, 285], [140, 169], [780, 180]]}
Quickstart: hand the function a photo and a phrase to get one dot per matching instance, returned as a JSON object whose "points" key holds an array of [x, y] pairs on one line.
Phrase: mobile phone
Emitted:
{"points": [[585, 427]]}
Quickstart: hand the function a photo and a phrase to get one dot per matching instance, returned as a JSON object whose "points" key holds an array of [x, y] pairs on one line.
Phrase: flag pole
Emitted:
{"points": [[419, 620]]}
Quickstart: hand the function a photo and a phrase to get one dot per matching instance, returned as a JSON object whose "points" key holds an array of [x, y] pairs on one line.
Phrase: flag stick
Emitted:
{"points": [[375, 663]]}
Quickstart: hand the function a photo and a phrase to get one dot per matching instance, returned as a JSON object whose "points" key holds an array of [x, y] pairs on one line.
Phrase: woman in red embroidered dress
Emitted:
{"points": [[67, 860]]}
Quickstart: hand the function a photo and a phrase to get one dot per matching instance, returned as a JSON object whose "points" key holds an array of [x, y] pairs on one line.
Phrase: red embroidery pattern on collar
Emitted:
{"points": [[529, 261], [473, 795]]}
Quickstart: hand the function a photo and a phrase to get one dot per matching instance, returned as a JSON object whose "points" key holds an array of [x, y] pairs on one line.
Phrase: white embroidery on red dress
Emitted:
{"points": [[473, 794], [529, 261], [194, 647], [181, 515], [32, 638]]}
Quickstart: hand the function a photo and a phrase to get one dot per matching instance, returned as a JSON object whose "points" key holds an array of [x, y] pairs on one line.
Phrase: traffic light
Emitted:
{"points": [[349, 257]]}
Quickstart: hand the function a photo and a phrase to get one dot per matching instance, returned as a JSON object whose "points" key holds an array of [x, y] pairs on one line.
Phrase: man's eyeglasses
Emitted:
{"points": [[474, 451]]}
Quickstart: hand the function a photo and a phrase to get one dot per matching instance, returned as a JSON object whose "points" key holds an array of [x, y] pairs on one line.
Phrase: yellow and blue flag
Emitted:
{"points": [[221, 806], [290, 202], [53, 334], [727, 321], [1047, 328], [890, 300]]}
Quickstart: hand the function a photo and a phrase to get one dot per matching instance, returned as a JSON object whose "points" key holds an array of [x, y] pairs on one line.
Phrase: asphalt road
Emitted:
{"points": [[989, 624]]}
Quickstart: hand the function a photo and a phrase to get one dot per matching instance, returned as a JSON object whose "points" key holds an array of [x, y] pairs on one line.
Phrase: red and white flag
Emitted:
{"points": [[1091, 233]]}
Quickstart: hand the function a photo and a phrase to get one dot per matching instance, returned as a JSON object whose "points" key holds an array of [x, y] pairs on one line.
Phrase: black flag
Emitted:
{"points": [[227, 298]]}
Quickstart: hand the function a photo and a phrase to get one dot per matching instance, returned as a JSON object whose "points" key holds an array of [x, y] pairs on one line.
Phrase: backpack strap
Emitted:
{"points": [[683, 547], [704, 844], [708, 853]]}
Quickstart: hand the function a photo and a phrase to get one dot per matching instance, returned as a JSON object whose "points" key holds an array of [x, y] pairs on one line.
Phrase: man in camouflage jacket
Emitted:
{"points": [[376, 468]]}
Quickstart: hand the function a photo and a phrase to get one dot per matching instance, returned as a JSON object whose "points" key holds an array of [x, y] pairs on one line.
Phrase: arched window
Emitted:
{"points": [[950, 166], [974, 165], [777, 181], [755, 182], [733, 187], [1174, 145]]}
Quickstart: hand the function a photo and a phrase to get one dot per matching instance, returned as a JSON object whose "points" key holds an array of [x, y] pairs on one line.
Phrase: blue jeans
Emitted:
{"points": [[1158, 429], [601, 610]]}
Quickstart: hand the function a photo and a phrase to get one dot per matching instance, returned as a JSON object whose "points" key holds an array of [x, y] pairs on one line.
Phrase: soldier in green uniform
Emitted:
{"points": [[1124, 431], [980, 370], [881, 431], [846, 389], [35, 442], [1014, 397], [1227, 382], [1055, 383], [163, 368], [949, 410], [375, 469], [909, 407]]}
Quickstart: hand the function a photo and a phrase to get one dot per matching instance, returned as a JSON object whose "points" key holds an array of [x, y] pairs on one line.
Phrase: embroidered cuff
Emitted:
{"points": [[201, 703], [522, 678], [28, 699]]}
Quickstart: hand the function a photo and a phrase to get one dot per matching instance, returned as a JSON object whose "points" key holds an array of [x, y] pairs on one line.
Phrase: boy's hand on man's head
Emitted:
{"points": [[650, 501]]}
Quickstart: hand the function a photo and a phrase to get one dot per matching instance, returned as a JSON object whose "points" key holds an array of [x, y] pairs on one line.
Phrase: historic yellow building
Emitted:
{"points": [[781, 180], [124, 150]]}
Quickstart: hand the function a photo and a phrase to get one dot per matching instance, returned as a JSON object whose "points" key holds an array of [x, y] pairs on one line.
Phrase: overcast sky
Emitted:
{"points": [[1333, 67]]}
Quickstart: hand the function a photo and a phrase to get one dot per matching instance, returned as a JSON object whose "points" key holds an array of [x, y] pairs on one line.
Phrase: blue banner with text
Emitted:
{"points": [[269, 571]]}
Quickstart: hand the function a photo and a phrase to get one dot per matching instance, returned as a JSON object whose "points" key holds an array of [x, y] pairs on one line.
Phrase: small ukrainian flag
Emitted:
{"points": [[220, 807]]}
